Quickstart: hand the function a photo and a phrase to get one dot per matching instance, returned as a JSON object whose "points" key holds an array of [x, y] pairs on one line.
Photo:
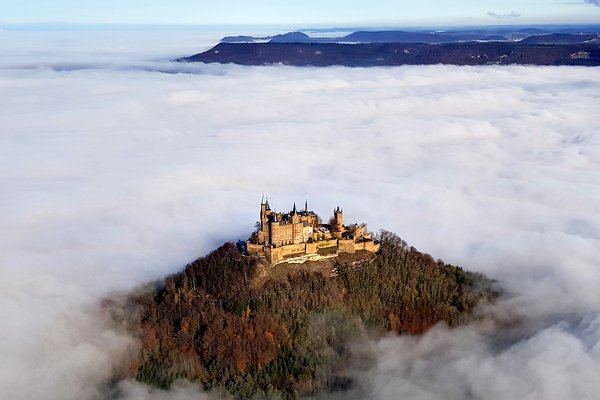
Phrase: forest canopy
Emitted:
{"points": [[296, 336]]}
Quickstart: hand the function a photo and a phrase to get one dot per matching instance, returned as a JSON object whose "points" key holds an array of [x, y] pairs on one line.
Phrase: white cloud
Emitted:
{"points": [[512, 14], [132, 390], [115, 175], [552, 363]]}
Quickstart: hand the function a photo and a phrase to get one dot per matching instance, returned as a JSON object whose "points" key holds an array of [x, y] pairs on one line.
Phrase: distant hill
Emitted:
{"points": [[562, 35], [560, 38], [392, 54], [236, 324], [291, 37], [418, 37]]}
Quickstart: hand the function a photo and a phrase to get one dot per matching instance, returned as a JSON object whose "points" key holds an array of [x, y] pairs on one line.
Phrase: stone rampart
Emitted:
{"points": [[293, 249], [323, 244], [346, 246], [252, 248], [311, 248], [368, 245], [274, 255]]}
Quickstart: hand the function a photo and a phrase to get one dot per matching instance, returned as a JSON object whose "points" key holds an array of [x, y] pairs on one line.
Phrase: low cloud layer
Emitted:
{"points": [[558, 362], [119, 173], [594, 2]]}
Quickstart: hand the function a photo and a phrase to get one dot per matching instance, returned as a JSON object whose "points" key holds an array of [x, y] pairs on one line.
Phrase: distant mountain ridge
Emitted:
{"points": [[570, 36], [369, 48], [394, 54], [561, 38]]}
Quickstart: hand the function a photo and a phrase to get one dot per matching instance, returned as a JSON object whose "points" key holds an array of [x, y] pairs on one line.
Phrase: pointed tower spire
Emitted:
{"points": [[267, 203], [262, 200], [305, 205], [294, 210]]}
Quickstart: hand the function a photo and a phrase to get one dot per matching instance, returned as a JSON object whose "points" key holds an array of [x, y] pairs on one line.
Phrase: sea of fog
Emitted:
{"points": [[118, 166]]}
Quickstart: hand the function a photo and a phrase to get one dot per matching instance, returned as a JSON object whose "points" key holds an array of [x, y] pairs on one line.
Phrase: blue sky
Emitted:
{"points": [[328, 12]]}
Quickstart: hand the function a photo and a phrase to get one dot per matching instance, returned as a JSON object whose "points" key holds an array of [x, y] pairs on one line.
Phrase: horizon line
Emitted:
{"points": [[298, 27]]}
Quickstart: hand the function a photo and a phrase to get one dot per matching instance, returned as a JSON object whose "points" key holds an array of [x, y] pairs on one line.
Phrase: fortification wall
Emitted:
{"points": [[311, 248], [282, 234], [277, 254], [368, 245], [285, 234], [252, 248], [346, 246], [274, 255], [298, 229], [293, 249], [323, 244]]}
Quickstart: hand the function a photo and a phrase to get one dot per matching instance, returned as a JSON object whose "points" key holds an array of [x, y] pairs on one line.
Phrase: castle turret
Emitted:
{"points": [[263, 208], [338, 217], [263, 234]]}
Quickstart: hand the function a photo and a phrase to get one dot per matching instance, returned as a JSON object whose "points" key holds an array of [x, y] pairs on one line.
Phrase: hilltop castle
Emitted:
{"points": [[298, 236]]}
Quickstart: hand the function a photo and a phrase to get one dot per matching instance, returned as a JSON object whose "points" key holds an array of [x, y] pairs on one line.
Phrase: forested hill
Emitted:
{"points": [[212, 323], [393, 54]]}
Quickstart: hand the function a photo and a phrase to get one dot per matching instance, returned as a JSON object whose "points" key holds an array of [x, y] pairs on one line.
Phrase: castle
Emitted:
{"points": [[298, 236]]}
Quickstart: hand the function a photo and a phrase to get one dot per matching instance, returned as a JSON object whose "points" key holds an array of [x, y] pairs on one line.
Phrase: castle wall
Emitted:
{"points": [[293, 249], [282, 234], [285, 234], [252, 248], [368, 245], [312, 248], [346, 246], [277, 254], [298, 236], [274, 254], [323, 244]]}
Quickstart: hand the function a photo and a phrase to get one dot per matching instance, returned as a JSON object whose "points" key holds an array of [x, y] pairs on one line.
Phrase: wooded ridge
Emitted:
{"points": [[296, 336]]}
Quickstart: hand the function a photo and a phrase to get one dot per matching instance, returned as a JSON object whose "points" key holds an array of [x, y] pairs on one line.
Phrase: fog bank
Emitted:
{"points": [[118, 172]]}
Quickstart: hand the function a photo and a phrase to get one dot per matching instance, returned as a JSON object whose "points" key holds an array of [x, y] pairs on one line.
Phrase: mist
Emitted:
{"points": [[122, 167]]}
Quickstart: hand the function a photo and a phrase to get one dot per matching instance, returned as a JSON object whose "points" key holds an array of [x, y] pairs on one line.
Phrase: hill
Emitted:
{"points": [[561, 38], [561, 34], [393, 54], [224, 324]]}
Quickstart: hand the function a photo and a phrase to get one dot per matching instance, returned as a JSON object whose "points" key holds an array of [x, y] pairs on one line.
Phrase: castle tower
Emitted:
{"points": [[295, 216], [338, 216], [297, 236], [273, 223], [265, 211]]}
